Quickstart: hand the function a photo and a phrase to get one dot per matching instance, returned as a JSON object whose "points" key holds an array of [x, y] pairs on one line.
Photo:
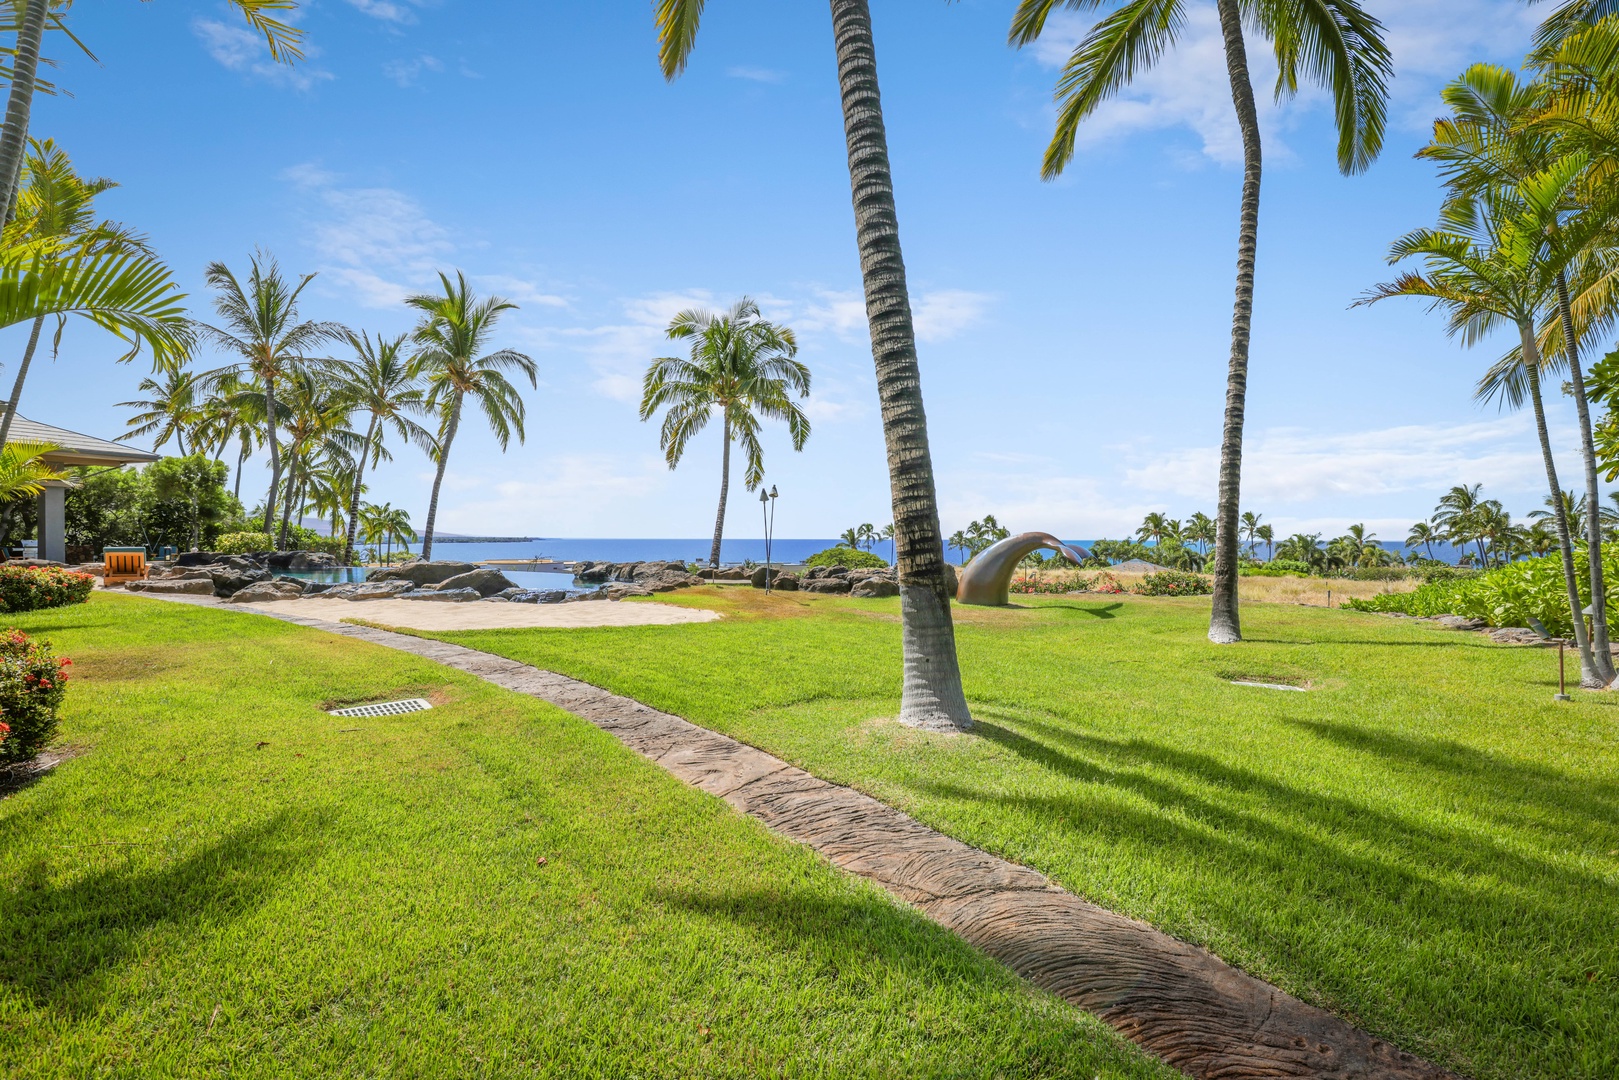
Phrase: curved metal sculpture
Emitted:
{"points": [[985, 580]]}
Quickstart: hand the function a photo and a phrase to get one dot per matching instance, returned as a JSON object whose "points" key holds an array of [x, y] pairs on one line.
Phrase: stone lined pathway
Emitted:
{"points": [[1180, 1002]]}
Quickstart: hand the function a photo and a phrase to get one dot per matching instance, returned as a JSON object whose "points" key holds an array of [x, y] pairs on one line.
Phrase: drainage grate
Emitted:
{"points": [[385, 708]]}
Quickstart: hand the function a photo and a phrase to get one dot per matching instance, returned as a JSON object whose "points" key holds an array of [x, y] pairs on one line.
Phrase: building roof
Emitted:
{"points": [[74, 448]]}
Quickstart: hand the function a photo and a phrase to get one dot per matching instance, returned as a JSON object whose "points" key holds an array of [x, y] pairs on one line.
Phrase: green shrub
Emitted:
{"points": [[1277, 568], [853, 558], [1446, 572], [1172, 583], [302, 539], [244, 543], [33, 683], [1509, 595], [30, 588], [1378, 573], [1099, 583]]}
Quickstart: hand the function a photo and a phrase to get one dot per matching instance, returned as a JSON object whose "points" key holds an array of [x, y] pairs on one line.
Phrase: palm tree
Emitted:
{"points": [[1337, 44], [887, 533], [1266, 535], [383, 525], [318, 435], [850, 538], [454, 330], [262, 327], [23, 472], [232, 411], [37, 15], [1422, 534], [1250, 529], [171, 410], [1491, 140], [740, 365], [54, 215], [1200, 530], [958, 542], [1491, 264], [931, 694], [1153, 527], [386, 384]]}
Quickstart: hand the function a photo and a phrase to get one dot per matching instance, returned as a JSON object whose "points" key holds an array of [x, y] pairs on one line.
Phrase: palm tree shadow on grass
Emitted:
{"points": [[1105, 611], [59, 937], [1347, 874]]}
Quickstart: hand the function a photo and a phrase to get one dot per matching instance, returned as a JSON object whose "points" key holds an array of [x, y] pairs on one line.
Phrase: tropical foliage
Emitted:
{"points": [[843, 555], [33, 679]]}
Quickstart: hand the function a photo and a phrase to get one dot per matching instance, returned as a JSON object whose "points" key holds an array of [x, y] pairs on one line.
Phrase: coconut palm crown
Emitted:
{"points": [[451, 339], [741, 367]]}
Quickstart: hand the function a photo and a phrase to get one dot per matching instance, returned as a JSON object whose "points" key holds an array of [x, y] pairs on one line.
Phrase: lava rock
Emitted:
{"points": [[487, 582], [1457, 622], [875, 587], [370, 590], [827, 585], [268, 591], [312, 560], [785, 583], [447, 596], [422, 573], [198, 586], [539, 596]]}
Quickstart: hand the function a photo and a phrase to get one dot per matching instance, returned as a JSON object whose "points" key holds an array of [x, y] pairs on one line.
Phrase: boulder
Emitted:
{"points": [[759, 575], [666, 580], [616, 590], [815, 573], [1457, 622], [539, 596], [267, 591], [496, 600], [827, 585], [707, 573], [593, 573], [198, 586], [447, 596], [312, 560], [875, 586], [422, 573], [381, 590], [1517, 635], [837, 571], [487, 582], [731, 573], [228, 582], [785, 583], [195, 558]]}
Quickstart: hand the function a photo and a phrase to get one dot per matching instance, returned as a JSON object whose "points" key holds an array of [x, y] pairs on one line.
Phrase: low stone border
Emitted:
{"points": [[1180, 1002]]}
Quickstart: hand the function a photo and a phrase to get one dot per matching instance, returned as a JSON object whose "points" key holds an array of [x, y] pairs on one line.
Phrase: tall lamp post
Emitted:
{"points": [[767, 507]]}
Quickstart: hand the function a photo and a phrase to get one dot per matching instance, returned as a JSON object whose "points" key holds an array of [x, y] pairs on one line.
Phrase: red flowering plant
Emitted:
{"points": [[30, 588], [33, 682]]}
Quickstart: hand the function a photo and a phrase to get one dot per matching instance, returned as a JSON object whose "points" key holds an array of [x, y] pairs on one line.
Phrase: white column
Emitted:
{"points": [[53, 524]]}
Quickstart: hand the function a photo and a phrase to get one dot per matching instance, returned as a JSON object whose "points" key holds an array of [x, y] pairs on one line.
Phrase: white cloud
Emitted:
{"points": [[386, 10], [572, 494], [618, 352], [1294, 466], [757, 74], [371, 238], [406, 72], [520, 291], [944, 313], [240, 49]]}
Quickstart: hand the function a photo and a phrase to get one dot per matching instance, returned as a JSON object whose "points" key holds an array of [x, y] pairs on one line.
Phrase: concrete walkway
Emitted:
{"points": [[1180, 1002]]}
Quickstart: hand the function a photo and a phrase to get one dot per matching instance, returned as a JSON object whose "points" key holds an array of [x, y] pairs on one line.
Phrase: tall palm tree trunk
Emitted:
{"points": [[1593, 525], [1590, 677], [275, 452], [241, 463], [931, 696], [725, 490], [354, 496], [14, 133], [438, 478], [1225, 626], [287, 498], [22, 374]]}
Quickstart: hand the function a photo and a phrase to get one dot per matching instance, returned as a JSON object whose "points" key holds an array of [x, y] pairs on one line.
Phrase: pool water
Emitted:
{"points": [[522, 578]]}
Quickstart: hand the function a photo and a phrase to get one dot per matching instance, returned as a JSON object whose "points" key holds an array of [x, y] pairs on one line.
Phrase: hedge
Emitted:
{"points": [[30, 588]]}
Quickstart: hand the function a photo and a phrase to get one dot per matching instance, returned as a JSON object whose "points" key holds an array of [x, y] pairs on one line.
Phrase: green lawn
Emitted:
{"points": [[1424, 842], [228, 881]]}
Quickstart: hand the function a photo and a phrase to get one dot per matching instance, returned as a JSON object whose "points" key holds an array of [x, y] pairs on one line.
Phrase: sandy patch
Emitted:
{"points": [[430, 615]]}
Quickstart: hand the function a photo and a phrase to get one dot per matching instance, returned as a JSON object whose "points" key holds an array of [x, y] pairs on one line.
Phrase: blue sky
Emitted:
{"points": [[1073, 334]]}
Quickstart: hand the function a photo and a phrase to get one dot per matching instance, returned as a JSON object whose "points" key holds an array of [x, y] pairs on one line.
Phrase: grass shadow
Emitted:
{"points": [[59, 936]]}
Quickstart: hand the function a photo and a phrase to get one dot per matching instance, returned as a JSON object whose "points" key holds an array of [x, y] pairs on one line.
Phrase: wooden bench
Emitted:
{"points": [[123, 564]]}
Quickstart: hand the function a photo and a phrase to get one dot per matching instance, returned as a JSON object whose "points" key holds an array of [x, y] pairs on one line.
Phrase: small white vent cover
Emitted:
{"points": [[386, 708]]}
